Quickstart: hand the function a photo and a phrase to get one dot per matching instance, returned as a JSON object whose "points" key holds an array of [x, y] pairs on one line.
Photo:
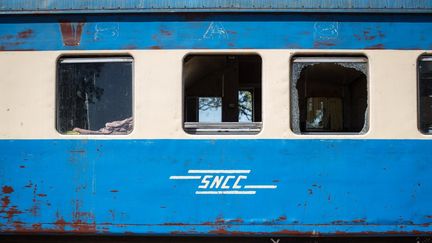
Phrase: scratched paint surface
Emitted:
{"points": [[215, 31], [113, 186]]}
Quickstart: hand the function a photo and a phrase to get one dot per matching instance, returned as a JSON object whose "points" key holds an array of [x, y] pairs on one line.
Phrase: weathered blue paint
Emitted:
{"points": [[325, 187], [109, 6], [215, 31]]}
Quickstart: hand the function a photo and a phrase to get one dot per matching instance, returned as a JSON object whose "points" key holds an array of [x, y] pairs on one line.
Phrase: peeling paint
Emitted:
{"points": [[71, 33], [7, 189], [25, 34]]}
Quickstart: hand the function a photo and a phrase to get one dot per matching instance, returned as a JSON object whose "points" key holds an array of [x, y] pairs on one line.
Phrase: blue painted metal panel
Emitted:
{"points": [[110, 6], [354, 187], [216, 31]]}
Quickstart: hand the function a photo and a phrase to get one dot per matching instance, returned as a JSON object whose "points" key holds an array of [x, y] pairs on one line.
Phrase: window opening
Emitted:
{"points": [[425, 94], [222, 94]]}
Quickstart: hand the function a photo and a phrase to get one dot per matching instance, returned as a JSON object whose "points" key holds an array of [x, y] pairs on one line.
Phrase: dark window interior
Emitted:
{"points": [[94, 96], [329, 96], [425, 95], [222, 92]]}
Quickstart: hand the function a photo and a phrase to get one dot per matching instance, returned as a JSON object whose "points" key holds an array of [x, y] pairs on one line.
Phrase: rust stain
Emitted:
{"points": [[37, 227], [220, 220], [18, 225], [155, 47], [25, 34], [339, 222], [34, 210], [295, 233], [128, 47], [41, 195], [375, 47], [358, 37], [166, 32], [238, 220], [318, 44], [71, 33], [60, 224], [7, 189], [5, 201], [11, 212], [82, 221], [282, 218], [367, 36], [114, 191], [224, 231], [358, 221], [220, 231], [79, 223]]}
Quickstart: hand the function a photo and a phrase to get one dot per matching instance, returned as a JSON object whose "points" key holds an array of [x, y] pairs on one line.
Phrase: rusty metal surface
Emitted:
{"points": [[136, 239], [118, 6], [215, 31]]}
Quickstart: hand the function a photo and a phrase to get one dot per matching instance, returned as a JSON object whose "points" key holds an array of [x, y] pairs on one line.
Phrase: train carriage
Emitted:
{"points": [[216, 118]]}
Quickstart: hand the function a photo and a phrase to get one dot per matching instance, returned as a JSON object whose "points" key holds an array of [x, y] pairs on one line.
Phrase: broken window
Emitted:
{"points": [[329, 95], [425, 94], [222, 94], [94, 95]]}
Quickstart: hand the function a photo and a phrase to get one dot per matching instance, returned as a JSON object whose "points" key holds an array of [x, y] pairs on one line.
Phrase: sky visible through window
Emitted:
{"points": [[210, 108]]}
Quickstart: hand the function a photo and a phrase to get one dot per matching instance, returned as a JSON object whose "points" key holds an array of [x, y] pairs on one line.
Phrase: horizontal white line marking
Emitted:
{"points": [[185, 177], [260, 187], [218, 171], [225, 192]]}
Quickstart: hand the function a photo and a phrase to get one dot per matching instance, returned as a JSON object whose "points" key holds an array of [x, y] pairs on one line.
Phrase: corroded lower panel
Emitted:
{"points": [[216, 187]]}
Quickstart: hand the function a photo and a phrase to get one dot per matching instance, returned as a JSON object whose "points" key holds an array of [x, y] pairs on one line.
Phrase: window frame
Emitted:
{"points": [[420, 59], [94, 58], [320, 58]]}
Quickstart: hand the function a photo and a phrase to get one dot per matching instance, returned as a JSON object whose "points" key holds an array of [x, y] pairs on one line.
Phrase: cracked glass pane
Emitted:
{"points": [[329, 95]]}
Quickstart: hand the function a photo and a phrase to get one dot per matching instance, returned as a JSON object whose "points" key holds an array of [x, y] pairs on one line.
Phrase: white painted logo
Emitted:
{"points": [[222, 182], [215, 31]]}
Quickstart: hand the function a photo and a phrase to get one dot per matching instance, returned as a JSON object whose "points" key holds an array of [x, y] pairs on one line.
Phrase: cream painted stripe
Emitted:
{"points": [[260, 187], [218, 171], [225, 192], [158, 111], [185, 177]]}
